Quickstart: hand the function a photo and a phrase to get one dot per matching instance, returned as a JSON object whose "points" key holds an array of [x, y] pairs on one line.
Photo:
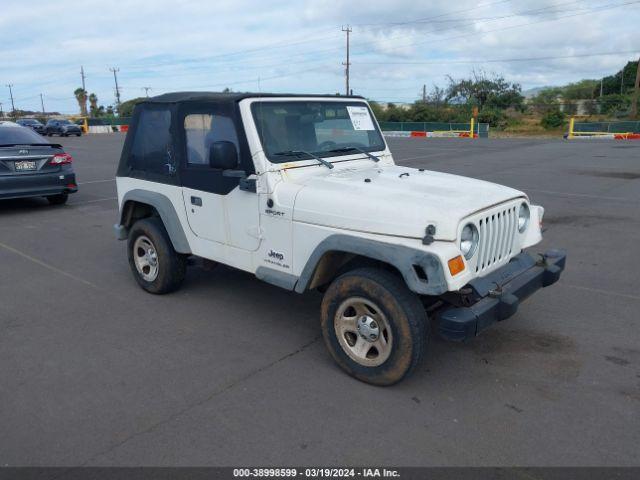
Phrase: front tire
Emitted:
{"points": [[156, 266], [374, 326]]}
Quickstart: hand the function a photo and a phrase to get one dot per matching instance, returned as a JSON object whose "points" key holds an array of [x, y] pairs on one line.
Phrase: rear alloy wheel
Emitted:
{"points": [[374, 326], [59, 199], [156, 266]]}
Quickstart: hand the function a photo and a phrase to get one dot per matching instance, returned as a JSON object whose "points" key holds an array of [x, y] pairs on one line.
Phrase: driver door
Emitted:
{"points": [[212, 198]]}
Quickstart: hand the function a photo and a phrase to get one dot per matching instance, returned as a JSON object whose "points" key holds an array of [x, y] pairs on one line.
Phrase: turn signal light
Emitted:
{"points": [[456, 265], [61, 159]]}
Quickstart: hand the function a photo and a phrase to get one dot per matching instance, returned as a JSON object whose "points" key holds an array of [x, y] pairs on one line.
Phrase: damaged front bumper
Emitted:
{"points": [[497, 296]]}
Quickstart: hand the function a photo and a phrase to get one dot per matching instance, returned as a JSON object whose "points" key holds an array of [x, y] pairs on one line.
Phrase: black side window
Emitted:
{"points": [[151, 150]]}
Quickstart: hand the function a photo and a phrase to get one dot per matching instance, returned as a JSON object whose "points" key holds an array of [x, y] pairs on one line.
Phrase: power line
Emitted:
{"points": [[427, 19], [502, 60], [437, 40]]}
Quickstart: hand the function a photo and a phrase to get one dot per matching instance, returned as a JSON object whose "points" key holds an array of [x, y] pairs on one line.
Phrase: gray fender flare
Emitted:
{"points": [[167, 213], [401, 257]]}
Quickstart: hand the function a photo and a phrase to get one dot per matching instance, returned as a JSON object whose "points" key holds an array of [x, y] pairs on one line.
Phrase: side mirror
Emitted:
{"points": [[223, 155]]}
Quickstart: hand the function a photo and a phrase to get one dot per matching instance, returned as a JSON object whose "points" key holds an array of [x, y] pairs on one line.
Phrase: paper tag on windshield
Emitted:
{"points": [[360, 118]]}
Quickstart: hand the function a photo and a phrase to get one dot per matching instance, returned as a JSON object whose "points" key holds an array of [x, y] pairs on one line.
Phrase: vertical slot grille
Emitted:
{"points": [[496, 237]]}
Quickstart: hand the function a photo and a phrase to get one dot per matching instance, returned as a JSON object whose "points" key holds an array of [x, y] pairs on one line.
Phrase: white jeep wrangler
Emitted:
{"points": [[303, 192]]}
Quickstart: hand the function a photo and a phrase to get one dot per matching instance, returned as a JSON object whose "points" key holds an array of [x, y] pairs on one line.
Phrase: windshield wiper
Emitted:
{"points": [[297, 153], [350, 149]]}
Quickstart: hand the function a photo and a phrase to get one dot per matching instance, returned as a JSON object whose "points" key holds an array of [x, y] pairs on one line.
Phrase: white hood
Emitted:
{"points": [[394, 203]]}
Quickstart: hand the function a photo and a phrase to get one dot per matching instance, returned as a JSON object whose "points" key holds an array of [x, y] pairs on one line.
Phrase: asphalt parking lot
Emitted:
{"points": [[232, 371]]}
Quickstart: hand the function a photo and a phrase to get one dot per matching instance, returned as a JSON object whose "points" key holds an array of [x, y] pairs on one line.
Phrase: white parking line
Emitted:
{"points": [[97, 181], [46, 265], [603, 292], [94, 201]]}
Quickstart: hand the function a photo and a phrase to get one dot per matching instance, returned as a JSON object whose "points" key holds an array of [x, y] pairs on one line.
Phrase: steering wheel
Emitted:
{"points": [[327, 145]]}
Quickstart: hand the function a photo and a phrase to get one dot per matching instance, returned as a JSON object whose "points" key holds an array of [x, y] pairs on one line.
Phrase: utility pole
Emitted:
{"points": [[622, 81], [601, 86], [83, 108], [636, 92], [115, 78], [42, 103], [83, 78], [424, 94], [347, 30], [146, 90], [13, 107], [1, 112]]}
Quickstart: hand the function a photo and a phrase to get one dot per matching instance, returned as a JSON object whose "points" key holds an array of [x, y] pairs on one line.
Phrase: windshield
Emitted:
{"points": [[20, 136], [322, 128], [65, 122]]}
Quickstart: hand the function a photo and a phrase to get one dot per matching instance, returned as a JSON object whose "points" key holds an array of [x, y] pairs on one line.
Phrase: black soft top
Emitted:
{"points": [[218, 97]]}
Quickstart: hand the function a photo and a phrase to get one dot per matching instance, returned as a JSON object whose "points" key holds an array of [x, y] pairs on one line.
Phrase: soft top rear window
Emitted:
{"points": [[323, 128]]}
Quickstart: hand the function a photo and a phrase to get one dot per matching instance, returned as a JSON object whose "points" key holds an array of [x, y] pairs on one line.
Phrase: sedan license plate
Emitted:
{"points": [[25, 166]]}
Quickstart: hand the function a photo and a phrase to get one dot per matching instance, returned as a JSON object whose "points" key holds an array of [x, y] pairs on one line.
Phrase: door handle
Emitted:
{"points": [[197, 201]]}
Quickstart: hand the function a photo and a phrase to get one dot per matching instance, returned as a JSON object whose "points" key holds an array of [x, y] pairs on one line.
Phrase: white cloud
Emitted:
{"points": [[298, 46]]}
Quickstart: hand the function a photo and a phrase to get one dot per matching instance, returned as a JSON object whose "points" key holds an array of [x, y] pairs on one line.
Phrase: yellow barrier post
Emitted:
{"points": [[471, 131], [572, 122]]}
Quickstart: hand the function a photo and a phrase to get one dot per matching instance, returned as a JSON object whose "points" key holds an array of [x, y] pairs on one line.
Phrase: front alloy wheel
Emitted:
{"points": [[363, 331], [373, 326]]}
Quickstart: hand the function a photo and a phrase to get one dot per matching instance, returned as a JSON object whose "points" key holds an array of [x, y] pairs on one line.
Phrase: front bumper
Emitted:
{"points": [[37, 184], [497, 296]]}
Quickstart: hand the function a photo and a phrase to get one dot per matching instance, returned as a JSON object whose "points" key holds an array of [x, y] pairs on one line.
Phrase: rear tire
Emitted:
{"points": [[59, 199], [374, 326], [156, 266]]}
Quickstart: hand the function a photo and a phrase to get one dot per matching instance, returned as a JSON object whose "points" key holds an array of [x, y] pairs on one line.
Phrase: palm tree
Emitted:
{"points": [[81, 97], [93, 100]]}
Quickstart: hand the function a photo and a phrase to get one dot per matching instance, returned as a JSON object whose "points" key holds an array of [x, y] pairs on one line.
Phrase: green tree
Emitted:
{"points": [[126, 108], [81, 97], [553, 119], [93, 105], [581, 90], [547, 100], [483, 90]]}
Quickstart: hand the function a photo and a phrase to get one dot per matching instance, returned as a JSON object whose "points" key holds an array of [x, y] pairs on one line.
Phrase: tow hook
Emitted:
{"points": [[496, 292]]}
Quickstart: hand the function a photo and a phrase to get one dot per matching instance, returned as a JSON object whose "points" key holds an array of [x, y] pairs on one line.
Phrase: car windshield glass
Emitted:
{"points": [[322, 128], [65, 122], [20, 136]]}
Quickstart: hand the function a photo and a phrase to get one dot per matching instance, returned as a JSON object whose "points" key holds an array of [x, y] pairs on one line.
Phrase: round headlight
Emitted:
{"points": [[469, 240], [523, 217]]}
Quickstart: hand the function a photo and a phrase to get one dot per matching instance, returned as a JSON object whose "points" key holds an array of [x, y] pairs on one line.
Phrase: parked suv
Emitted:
{"points": [[32, 123], [64, 128], [303, 192]]}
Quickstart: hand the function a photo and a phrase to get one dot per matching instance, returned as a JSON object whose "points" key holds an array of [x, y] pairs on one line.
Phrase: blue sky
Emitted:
{"points": [[297, 46]]}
